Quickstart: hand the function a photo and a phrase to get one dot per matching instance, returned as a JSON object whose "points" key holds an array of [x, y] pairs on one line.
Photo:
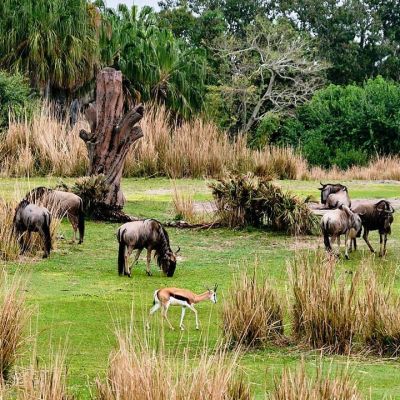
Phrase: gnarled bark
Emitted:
{"points": [[113, 130]]}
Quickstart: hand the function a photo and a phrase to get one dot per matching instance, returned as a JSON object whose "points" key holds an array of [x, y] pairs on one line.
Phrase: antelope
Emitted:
{"points": [[180, 297]]}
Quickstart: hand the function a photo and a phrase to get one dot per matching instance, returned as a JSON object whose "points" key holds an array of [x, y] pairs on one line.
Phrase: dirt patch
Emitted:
{"points": [[158, 192], [204, 207]]}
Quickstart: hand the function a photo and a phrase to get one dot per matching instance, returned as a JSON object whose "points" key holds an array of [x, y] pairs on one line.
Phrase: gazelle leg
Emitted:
{"points": [[164, 314], [195, 313], [365, 237], [152, 311], [182, 316], [148, 259]]}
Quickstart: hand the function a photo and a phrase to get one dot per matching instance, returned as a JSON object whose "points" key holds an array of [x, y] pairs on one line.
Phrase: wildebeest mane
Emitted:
{"points": [[37, 193], [22, 204], [162, 248]]}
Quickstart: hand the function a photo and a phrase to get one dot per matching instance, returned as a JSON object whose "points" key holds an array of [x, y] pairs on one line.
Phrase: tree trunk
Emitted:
{"points": [[112, 133]]}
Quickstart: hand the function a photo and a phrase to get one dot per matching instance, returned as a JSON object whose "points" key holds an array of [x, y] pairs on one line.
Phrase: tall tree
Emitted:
{"points": [[54, 42], [273, 68]]}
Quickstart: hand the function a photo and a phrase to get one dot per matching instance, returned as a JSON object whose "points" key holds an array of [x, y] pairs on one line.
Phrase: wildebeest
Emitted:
{"points": [[334, 194], [341, 221], [63, 204], [148, 234], [167, 297], [376, 216], [32, 218]]}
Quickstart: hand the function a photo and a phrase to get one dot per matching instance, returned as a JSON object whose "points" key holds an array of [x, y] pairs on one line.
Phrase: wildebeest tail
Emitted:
{"points": [[81, 222], [46, 233], [121, 251], [327, 242]]}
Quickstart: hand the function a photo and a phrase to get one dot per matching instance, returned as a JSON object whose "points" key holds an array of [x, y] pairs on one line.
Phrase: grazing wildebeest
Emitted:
{"points": [[375, 216], [334, 194], [63, 204], [167, 297], [341, 221], [148, 234], [32, 218]]}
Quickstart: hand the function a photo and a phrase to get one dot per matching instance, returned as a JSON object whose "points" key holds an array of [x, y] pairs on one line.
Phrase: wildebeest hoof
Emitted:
{"points": [[149, 273], [45, 255], [80, 242]]}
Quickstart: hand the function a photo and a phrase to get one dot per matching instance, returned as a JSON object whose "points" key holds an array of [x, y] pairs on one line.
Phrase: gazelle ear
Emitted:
{"points": [[215, 287]]}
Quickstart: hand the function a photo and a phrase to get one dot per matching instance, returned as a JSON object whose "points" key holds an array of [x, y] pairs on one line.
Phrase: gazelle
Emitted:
{"points": [[180, 297]]}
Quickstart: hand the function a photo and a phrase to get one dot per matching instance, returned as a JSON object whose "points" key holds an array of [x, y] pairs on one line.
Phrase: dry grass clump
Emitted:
{"points": [[138, 372], [379, 168], [13, 317], [379, 318], [298, 385], [46, 144], [9, 249], [325, 306], [243, 200], [252, 314]]}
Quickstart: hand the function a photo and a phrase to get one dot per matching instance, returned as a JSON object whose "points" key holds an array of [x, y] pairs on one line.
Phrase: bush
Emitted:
{"points": [[15, 97], [252, 313], [365, 118], [324, 309], [243, 200], [265, 129]]}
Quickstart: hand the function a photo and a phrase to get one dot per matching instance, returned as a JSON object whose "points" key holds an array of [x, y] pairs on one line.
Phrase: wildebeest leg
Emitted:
{"points": [[152, 311], [74, 222], [164, 314], [382, 241], [365, 237], [346, 245], [128, 252], [148, 259], [138, 252], [384, 244], [182, 316]]}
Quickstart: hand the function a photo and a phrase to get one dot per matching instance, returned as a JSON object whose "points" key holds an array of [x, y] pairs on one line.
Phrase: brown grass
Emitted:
{"points": [[325, 306], [138, 372], [252, 314], [379, 318], [47, 382], [298, 385], [13, 317]]}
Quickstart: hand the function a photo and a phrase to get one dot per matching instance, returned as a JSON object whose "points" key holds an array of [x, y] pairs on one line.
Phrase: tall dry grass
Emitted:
{"points": [[379, 317], [44, 145], [298, 385], [252, 313], [138, 372], [324, 305], [13, 317]]}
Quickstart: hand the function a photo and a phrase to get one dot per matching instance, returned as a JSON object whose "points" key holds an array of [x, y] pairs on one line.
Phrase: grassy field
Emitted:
{"points": [[78, 296]]}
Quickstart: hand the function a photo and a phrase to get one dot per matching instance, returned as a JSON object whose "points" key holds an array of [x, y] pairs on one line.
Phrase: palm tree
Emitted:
{"points": [[158, 66], [54, 42]]}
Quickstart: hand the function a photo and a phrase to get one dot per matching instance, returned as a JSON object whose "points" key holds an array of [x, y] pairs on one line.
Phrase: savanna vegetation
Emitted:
{"points": [[221, 116]]}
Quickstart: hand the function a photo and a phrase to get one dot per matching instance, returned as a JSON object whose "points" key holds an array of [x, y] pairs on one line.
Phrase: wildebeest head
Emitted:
{"points": [[168, 262], [329, 188], [385, 212], [17, 214]]}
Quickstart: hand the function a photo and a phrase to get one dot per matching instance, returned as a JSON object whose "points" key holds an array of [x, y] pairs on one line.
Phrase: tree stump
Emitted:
{"points": [[113, 130]]}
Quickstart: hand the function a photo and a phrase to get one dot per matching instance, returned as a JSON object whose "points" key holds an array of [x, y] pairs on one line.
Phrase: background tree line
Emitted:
{"points": [[320, 76]]}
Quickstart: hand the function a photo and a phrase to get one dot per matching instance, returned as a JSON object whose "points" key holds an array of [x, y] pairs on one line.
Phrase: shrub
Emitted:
{"points": [[9, 249], [324, 308], [338, 118], [243, 200], [136, 371], [298, 385], [15, 97], [252, 313], [13, 317], [380, 318]]}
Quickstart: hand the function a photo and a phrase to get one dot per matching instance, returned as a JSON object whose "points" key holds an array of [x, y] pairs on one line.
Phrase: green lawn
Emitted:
{"points": [[77, 294]]}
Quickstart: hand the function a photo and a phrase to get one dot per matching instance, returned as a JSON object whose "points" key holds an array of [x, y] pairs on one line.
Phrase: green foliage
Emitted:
{"points": [[15, 97], [157, 65], [347, 125], [54, 42], [244, 200], [267, 126]]}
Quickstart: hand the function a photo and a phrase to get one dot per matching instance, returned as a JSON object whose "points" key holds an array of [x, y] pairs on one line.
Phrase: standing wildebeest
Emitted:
{"points": [[64, 204], [334, 194], [148, 234], [341, 221], [32, 218], [378, 216]]}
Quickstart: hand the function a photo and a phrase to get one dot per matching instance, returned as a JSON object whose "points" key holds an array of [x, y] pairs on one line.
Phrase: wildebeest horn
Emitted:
{"points": [[179, 249]]}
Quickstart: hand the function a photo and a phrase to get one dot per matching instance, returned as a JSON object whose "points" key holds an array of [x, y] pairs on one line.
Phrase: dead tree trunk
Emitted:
{"points": [[112, 133]]}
